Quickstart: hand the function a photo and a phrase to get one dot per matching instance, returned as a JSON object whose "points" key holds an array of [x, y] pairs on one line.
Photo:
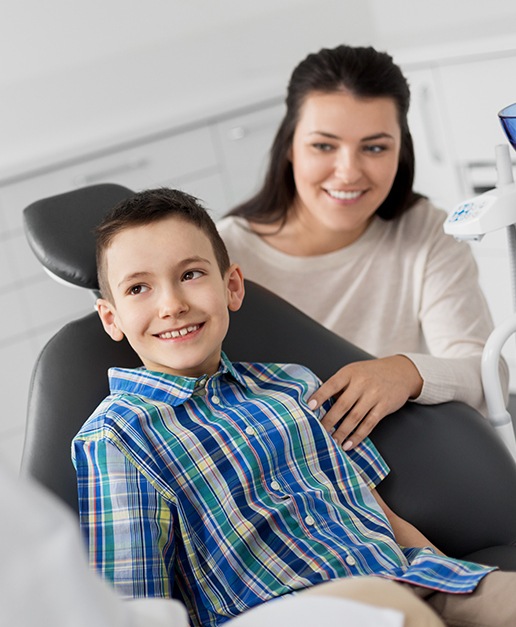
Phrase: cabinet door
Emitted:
{"points": [[244, 143], [209, 189], [436, 176], [473, 93], [179, 157]]}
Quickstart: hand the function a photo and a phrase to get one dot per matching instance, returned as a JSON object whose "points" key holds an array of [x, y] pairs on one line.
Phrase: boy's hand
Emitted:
{"points": [[366, 392]]}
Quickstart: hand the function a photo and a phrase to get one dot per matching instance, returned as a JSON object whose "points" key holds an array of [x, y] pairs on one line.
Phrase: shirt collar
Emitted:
{"points": [[166, 388]]}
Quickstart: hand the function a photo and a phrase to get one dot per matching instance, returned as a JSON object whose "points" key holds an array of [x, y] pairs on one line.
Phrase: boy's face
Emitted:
{"points": [[169, 298]]}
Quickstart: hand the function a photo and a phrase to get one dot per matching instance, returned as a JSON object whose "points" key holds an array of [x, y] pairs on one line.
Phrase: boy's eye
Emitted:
{"points": [[192, 274], [137, 289]]}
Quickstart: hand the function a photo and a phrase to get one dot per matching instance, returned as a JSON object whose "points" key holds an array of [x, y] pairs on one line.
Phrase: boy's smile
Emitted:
{"points": [[169, 297], [179, 333]]}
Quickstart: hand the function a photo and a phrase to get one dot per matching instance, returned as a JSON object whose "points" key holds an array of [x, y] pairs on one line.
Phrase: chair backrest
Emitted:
{"points": [[451, 476], [60, 231]]}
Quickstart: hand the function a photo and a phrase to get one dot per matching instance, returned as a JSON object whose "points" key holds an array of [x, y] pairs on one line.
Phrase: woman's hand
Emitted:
{"points": [[365, 392]]}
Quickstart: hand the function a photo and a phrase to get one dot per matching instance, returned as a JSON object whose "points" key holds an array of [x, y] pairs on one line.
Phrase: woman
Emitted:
{"points": [[337, 230]]}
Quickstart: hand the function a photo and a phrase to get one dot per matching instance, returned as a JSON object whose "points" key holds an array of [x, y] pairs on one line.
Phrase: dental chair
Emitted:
{"points": [[450, 474]]}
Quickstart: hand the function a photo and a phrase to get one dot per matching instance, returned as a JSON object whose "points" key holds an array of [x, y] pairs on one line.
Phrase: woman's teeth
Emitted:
{"points": [[342, 195], [179, 333]]}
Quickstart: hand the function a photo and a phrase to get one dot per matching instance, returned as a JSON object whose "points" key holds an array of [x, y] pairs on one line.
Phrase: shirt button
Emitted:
{"points": [[350, 560], [309, 520], [275, 485], [215, 400], [250, 431]]}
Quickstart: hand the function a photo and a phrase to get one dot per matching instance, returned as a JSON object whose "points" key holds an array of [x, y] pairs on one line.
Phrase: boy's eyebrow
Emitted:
{"points": [[134, 276], [194, 259]]}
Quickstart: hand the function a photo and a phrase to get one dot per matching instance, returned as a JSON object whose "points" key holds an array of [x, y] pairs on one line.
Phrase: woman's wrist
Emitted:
{"points": [[414, 379]]}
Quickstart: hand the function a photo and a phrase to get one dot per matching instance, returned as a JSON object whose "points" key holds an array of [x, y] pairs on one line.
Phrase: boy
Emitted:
{"points": [[217, 477]]}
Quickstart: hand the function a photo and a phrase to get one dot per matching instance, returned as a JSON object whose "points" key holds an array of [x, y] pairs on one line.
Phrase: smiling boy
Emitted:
{"points": [[216, 478], [169, 293]]}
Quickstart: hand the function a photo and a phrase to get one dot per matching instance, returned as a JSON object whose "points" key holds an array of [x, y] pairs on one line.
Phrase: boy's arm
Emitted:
{"points": [[405, 533], [126, 522]]}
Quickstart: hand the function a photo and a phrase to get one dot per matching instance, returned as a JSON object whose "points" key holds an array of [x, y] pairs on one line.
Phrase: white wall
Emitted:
{"points": [[83, 72], [74, 74], [407, 23]]}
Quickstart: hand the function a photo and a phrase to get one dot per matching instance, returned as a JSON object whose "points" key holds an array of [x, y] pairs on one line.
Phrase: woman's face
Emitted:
{"points": [[344, 154]]}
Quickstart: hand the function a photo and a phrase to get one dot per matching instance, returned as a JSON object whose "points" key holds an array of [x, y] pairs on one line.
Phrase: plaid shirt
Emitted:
{"points": [[229, 488]]}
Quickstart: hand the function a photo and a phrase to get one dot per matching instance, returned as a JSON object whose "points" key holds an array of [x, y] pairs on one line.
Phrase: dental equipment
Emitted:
{"points": [[471, 220]]}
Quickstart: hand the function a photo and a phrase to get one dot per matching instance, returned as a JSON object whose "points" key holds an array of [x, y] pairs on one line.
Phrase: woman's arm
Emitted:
{"points": [[454, 321]]}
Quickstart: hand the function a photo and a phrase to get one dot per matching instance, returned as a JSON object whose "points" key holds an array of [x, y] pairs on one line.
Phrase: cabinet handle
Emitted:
{"points": [[430, 125], [109, 173], [237, 133]]}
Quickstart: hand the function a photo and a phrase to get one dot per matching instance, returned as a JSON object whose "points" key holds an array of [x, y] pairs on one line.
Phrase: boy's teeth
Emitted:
{"points": [[342, 195], [180, 333]]}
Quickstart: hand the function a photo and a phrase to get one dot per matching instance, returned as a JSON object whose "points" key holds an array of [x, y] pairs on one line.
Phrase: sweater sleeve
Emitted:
{"points": [[456, 323]]}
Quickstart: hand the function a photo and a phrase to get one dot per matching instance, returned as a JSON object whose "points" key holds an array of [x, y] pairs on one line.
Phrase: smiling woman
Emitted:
{"points": [[344, 157], [337, 230]]}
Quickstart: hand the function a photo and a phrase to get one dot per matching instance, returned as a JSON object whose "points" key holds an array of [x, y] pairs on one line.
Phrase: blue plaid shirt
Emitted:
{"points": [[229, 488]]}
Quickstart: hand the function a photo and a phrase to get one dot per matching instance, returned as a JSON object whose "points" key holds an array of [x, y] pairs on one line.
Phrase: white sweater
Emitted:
{"points": [[404, 287]]}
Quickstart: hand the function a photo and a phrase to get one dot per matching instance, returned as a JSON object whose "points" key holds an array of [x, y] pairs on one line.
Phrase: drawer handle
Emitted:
{"points": [[237, 133], [109, 173], [430, 124]]}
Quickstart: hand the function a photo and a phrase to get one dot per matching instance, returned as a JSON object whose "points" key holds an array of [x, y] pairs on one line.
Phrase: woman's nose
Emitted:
{"points": [[347, 166]]}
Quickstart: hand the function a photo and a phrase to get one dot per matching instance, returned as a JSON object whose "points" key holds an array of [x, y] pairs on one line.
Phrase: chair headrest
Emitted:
{"points": [[60, 230]]}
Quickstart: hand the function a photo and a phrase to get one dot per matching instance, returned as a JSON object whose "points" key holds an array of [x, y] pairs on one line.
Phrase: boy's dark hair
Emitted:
{"points": [[150, 206]]}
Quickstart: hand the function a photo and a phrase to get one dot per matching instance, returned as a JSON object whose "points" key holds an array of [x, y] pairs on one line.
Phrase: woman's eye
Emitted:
{"points": [[192, 274], [375, 148], [322, 147]]}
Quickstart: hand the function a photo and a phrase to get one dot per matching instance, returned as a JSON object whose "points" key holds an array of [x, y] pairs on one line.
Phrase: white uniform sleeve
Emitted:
{"points": [[45, 576]]}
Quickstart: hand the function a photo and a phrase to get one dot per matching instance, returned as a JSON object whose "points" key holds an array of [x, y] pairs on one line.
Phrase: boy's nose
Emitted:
{"points": [[172, 304]]}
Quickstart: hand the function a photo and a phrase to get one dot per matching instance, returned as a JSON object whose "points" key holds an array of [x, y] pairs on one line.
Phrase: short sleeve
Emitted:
{"points": [[127, 523], [368, 463]]}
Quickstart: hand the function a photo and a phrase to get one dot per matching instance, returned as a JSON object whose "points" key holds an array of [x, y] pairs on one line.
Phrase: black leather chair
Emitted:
{"points": [[451, 476]]}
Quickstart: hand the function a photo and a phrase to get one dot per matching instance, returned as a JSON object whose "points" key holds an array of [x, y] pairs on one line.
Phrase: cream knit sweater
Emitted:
{"points": [[403, 288]]}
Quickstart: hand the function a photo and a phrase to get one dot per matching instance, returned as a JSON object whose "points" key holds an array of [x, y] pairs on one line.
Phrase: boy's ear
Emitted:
{"points": [[235, 287], [106, 313]]}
